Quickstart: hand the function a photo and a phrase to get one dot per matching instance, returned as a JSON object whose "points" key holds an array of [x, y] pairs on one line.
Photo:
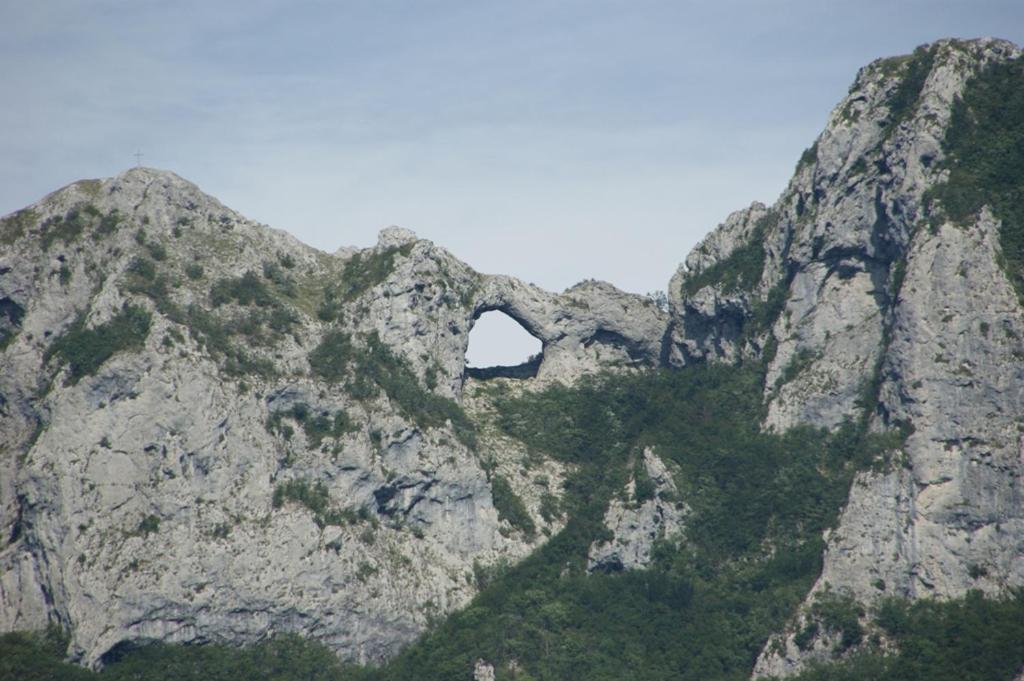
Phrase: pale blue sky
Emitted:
{"points": [[553, 141]]}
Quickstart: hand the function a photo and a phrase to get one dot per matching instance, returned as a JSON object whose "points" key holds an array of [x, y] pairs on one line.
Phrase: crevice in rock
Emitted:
{"points": [[18, 526]]}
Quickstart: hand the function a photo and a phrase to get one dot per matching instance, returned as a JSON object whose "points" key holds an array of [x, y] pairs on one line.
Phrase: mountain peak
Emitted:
{"points": [[216, 433]]}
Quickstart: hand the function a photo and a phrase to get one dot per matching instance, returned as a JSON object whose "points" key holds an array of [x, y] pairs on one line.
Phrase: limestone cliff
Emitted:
{"points": [[212, 432], [871, 302]]}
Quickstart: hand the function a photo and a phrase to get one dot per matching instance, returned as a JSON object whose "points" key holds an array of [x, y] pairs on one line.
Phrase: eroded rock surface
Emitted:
{"points": [[276, 445]]}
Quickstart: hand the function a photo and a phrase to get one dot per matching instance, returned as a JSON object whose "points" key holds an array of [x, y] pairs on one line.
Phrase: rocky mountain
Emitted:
{"points": [[212, 433], [884, 287]]}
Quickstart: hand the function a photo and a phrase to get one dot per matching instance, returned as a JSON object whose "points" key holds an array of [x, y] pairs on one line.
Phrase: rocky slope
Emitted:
{"points": [[872, 303], [214, 433]]}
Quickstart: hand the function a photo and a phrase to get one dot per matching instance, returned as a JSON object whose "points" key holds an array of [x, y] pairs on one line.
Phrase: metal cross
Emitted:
{"points": [[138, 159]]}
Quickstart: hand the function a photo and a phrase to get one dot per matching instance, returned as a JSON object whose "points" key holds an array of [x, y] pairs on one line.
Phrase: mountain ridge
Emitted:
{"points": [[283, 393]]}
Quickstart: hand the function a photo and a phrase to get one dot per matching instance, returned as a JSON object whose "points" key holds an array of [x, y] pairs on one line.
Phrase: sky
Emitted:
{"points": [[553, 141]]}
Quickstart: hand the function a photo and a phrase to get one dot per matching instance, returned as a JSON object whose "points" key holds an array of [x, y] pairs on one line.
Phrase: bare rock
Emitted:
{"points": [[648, 511]]}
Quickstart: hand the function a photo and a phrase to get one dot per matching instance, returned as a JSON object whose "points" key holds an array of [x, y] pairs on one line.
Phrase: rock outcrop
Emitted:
{"points": [[649, 510], [212, 432], [870, 304]]}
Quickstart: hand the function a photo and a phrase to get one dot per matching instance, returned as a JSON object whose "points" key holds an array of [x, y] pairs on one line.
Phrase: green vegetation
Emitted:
{"points": [[365, 570], [157, 250], [11, 315], [362, 272], [808, 157], [391, 372], [708, 604], [550, 507], [836, 614], [143, 278], [14, 226], [510, 507], [149, 525], [262, 326], [374, 368], [752, 548], [64, 228], [247, 289], [143, 270], [316, 426], [332, 356], [90, 187], [324, 425], [6, 338], [313, 497], [214, 334], [759, 501], [194, 271], [316, 498], [801, 360], [108, 224], [643, 486], [283, 282], [68, 227], [37, 657], [970, 639], [742, 269], [913, 72], [84, 350], [985, 156]]}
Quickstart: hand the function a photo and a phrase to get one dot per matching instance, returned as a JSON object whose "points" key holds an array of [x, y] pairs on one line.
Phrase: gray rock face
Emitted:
{"points": [[231, 473], [855, 300], [483, 671], [948, 518], [639, 518], [833, 244]]}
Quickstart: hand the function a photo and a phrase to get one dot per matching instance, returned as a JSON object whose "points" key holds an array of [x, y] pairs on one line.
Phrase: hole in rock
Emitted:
{"points": [[500, 347]]}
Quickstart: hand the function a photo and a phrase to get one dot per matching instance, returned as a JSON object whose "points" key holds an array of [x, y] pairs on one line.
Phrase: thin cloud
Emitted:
{"points": [[552, 141]]}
